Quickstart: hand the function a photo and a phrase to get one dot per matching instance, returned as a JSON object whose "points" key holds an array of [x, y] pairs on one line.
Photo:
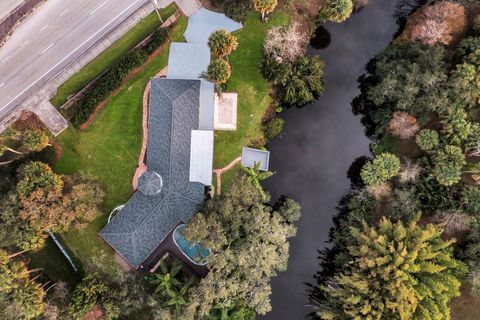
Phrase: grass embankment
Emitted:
{"points": [[108, 152], [253, 91], [101, 63]]}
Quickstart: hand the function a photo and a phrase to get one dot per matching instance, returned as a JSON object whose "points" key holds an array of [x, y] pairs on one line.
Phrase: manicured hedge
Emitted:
{"points": [[114, 77]]}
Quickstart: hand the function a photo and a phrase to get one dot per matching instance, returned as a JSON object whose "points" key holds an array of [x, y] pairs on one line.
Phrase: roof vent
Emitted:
{"points": [[150, 183]]}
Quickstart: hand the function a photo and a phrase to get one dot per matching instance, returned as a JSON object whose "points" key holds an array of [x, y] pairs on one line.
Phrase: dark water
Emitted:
{"points": [[318, 144]]}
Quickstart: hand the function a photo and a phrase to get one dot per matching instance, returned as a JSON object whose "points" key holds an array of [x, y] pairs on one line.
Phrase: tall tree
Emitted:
{"points": [[300, 81], [222, 43], [336, 10], [248, 243], [385, 166], [395, 271], [20, 296], [37, 175], [449, 162], [35, 139], [219, 71], [264, 7]]}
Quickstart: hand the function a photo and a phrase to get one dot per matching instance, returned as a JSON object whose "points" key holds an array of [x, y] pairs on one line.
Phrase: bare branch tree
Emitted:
{"points": [[403, 125], [409, 171], [454, 221], [285, 43]]}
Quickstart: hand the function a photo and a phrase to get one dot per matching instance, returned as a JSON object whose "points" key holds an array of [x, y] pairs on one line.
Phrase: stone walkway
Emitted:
{"points": [[219, 172], [50, 117]]}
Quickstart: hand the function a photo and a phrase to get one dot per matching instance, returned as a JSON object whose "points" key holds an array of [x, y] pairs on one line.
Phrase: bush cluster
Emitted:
{"points": [[113, 77]]}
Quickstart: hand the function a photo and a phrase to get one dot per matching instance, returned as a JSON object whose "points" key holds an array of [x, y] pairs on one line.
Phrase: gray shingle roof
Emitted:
{"points": [[146, 219]]}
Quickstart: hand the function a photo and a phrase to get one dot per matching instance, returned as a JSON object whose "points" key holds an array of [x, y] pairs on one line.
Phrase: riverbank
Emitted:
{"points": [[318, 144]]}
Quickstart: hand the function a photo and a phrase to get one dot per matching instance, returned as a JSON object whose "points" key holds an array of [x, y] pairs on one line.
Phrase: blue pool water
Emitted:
{"points": [[196, 253]]}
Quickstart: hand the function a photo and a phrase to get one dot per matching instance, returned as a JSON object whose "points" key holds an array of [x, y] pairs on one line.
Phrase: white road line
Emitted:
{"points": [[47, 48], [68, 55], [4, 59], [63, 12], [99, 7], [24, 44], [44, 27], [1, 84]]}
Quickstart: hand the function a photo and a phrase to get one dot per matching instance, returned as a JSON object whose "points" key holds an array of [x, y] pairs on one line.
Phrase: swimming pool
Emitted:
{"points": [[195, 253]]}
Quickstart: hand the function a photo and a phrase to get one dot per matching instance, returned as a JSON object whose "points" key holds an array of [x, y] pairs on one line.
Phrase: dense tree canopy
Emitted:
{"points": [[20, 296], [43, 201], [300, 82], [336, 10], [248, 240], [383, 167], [395, 271]]}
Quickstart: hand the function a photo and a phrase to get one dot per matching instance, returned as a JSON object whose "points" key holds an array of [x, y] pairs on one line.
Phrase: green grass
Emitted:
{"points": [[108, 152], [56, 266], [101, 63], [252, 88]]}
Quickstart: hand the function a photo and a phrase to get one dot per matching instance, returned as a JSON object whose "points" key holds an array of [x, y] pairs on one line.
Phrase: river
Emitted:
{"points": [[319, 142]]}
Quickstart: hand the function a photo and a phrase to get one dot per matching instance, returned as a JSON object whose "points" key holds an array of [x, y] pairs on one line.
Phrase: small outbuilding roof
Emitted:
{"points": [[252, 156], [203, 22]]}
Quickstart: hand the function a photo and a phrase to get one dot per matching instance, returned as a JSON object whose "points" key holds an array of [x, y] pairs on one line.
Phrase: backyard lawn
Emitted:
{"points": [[108, 152], [110, 55], [252, 88]]}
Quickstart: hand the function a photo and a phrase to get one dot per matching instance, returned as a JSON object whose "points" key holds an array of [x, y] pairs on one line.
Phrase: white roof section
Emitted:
{"points": [[251, 156], [203, 22], [207, 105], [225, 111], [187, 60], [201, 156]]}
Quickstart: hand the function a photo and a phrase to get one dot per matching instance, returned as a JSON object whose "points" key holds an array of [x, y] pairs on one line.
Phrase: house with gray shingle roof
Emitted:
{"points": [[169, 192]]}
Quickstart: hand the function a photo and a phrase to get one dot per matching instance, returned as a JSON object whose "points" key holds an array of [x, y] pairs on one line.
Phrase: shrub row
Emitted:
{"points": [[114, 77]]}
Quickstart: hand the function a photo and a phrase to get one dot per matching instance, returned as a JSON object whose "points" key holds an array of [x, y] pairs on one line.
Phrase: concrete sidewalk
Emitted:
{"points": [[188, 7]]}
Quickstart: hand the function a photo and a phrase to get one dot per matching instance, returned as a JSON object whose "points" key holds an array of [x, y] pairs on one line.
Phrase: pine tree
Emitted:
{"points": [[20, 296], [396, 271]]}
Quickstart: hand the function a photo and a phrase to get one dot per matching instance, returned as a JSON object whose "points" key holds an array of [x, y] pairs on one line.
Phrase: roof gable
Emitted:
{"points": [[146, 219]]}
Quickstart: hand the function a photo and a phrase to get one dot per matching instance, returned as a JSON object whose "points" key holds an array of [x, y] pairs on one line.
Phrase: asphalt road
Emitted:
{"points": [[51, 39]]}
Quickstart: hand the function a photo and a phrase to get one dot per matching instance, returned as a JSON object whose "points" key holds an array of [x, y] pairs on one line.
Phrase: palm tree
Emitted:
{"points": [[222, 43], [218, 72], [177, 298], [255, 176], [35, 139], [264, 6], [4, 148], [166, 281]]}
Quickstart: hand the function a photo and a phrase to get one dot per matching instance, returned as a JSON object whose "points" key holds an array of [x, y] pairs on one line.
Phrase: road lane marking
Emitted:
{"points": [[47, 48], [99, 7], [4, 59], [63, 12], [68, 55], [44, 27], [2, 84], [24, 44]]}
